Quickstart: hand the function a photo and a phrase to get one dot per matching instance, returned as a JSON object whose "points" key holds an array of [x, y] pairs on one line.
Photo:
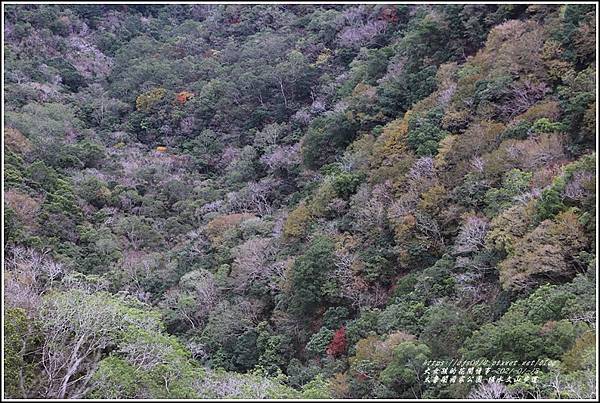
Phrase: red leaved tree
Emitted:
{"points": [[338, 344]]}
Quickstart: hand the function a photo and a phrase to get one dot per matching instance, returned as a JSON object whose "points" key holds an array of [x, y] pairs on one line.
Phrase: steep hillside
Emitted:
{"points": [[298, 201]]}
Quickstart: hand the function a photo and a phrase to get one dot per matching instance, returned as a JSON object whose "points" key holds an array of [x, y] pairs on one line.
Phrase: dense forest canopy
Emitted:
{"points": [[298, 201]]}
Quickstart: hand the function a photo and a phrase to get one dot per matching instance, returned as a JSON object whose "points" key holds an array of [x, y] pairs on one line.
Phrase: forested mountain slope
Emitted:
{"points": [[297, 201]]}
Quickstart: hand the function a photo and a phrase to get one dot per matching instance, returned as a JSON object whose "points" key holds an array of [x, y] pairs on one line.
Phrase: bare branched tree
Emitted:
{"points": [[490, 390], [471, 237]]}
